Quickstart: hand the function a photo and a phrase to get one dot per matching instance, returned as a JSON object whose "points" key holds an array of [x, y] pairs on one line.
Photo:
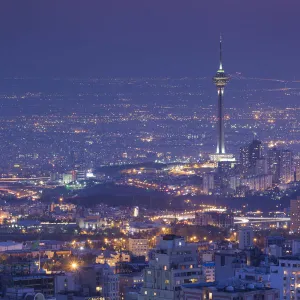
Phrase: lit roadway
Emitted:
{"points": [[19, 179], [237, 220]]}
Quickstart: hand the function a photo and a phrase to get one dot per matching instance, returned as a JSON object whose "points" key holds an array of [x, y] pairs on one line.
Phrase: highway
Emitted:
{"points": [[237, 220]]}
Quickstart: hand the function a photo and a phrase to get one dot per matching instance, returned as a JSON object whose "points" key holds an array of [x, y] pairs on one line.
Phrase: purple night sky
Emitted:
{"points": [[124, 37]]}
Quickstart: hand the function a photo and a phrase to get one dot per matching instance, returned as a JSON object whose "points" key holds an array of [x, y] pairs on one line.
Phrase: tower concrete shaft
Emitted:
{"points": [[220, 138], [220, 80]]}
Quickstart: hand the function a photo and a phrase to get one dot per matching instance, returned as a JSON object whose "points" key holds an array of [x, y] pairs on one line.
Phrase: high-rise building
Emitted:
{"points": [[286, 166], [257, 183], [220, 80], [244, 159], [251, 159], [171, 264], [208, 183], [296, 163], [274, 164], [261, 167], [245, 238], [295, 215], [225, 170], [280, 165], [255, 152]]}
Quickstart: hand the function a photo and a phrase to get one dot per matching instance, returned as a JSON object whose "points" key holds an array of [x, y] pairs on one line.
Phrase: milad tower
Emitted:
{"points": [[220, 80]]}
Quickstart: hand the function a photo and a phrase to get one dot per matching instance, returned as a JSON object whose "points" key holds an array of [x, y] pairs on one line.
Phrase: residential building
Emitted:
{"points": [[227, 261], [138, 247], [10, 245], [92, 222], [228, 292], [223, 220], [112, 258], [295, 215], [254, 275], [208, 183], [245, 238], [209, 271], [128, 281], [286, 277], [172, 263], [97, 280], [286, 166]]}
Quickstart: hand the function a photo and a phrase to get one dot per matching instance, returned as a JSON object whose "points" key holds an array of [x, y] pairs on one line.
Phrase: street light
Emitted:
{"points": [[74, 265]]}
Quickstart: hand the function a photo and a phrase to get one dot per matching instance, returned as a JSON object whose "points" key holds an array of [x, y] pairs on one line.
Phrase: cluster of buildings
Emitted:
{"points": [[255, 171], [172, 269]]}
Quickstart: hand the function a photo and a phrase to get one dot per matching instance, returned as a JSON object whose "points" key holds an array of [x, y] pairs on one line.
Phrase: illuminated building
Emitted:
{"points": [[231, 291], [295, 215], [136, 211], [172, 263], [297, 167], [208, 183], [203, 219], [245, 238], [209, 271], [138, 247], [255, 152], [257, 183], [274, 164], [95, 281], [218, 219], [112, 258], [234, 182], [40, 283], [81, 175], [91, 222], [244, 159], [261, 166], [251, 159], [286, 166], [280, 165], [9, 245], [225, 170], [67, 178], [286, 277]]}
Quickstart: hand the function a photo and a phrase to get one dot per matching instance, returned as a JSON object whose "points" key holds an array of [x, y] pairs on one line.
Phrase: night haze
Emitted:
{"points": [[148, 38], [149, 150]]}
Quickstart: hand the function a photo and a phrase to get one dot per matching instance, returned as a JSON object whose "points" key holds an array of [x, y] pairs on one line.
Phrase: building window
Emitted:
{"points": [[222, 260]]}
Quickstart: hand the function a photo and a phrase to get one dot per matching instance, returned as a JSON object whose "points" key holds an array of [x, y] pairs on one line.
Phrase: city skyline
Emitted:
{"points": [[124, 172]]}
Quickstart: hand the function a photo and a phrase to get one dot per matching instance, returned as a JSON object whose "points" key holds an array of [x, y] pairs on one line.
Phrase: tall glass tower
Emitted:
{"points": [[220, 80]]}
